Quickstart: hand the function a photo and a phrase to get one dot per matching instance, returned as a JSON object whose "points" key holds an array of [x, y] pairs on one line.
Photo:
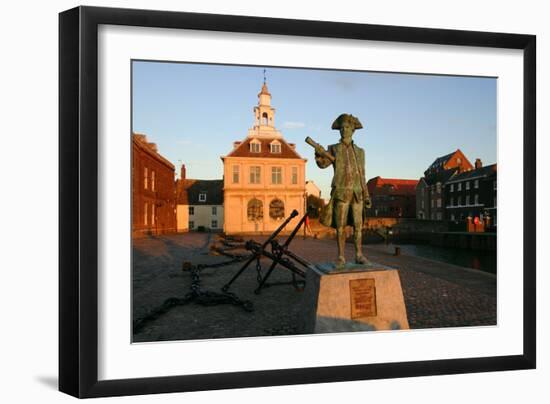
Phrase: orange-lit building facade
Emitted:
{"points": [[153, 190], [264, 176], [392, 197]]}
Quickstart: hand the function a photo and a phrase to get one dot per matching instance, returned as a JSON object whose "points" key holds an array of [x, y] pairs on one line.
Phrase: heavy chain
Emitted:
{"points": [[197, 295], [209, 298], [258, 271]]}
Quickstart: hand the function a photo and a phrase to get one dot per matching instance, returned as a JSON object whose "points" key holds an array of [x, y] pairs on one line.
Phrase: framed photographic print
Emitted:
{"points": [[249, 201]]}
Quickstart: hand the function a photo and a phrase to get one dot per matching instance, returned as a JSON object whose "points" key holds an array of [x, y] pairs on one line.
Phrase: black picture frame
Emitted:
{"points": [[78, 200]]}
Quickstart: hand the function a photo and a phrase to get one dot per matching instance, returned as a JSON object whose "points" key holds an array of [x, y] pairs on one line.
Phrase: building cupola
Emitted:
{"points": [[264, 113], [264, 116]]}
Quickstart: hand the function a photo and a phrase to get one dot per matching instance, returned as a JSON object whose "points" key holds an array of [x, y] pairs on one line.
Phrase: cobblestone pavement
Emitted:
{"points": [[436, 294]]}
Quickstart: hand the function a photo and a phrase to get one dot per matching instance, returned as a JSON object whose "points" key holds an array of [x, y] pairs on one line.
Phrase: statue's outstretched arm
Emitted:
{"points": [[323, 158], [322, 161]]}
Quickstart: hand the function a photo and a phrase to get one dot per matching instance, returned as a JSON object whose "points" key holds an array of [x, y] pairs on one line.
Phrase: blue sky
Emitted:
{"points": [[194, 112]]}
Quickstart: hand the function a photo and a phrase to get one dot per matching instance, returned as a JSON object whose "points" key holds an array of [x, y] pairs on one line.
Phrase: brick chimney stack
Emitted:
{"points": [[182, 172], [478, 164]]}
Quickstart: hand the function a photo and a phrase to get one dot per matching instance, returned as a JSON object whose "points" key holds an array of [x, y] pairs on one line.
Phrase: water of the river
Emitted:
{"points": [[482, 260]]}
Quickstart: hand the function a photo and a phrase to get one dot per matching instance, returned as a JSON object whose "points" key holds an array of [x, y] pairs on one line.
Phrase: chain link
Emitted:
{"points": [[197, 295], [258, 271]]}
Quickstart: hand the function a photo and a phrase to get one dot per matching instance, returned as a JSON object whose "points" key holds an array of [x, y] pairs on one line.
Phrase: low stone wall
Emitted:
{"points": [[380, 225], [412, 225], [381, 222], [412, 231]]}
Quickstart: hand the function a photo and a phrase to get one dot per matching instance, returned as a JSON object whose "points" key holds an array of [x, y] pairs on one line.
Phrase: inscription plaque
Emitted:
{"points": [[363, 298]]}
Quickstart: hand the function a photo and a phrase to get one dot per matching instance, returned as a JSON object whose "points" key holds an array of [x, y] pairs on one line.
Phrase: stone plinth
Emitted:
{"points": [[354, 298]]}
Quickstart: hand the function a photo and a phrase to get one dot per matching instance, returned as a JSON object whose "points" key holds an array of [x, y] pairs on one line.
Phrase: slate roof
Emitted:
{"points": [[440, 176], [442, 160], [448, 161], [188, 192], [243, 150], [476, 173]]}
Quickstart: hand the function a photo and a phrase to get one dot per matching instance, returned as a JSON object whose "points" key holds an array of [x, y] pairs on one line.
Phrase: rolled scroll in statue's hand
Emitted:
{"points": [[319, 149]]}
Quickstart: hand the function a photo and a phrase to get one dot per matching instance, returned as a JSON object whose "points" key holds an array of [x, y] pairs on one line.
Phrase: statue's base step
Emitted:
{"points": [[366, 297]]}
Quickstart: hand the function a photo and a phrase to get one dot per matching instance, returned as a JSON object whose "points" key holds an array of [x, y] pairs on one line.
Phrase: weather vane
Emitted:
{"points": [[264, 76]]}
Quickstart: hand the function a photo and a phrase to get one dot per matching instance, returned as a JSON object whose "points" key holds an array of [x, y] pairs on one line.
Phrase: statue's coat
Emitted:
{"points": [[340, 190]]}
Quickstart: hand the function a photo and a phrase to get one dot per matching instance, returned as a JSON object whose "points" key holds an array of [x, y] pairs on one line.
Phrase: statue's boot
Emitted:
{"points": [[361, 259]]}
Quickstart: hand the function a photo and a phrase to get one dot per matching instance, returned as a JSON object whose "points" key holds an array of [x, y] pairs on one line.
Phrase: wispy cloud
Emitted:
{"points": [[293, 125], [345, 83]]}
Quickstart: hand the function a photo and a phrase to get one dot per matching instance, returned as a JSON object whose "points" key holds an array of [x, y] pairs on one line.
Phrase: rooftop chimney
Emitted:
{"points": [[182, 172], [478, 164], [236, 144]]}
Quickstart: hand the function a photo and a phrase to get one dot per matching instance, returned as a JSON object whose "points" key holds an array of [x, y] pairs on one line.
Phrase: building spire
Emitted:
{"points": [[264, 90]]}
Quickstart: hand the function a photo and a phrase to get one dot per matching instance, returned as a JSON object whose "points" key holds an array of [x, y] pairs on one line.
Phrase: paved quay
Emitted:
{"points": [[436, 294]]}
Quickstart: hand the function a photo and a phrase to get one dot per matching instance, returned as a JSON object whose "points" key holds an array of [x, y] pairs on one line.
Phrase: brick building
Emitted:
{"points": [[153, 190], [473, 194], [430, 197], [392, 197]]}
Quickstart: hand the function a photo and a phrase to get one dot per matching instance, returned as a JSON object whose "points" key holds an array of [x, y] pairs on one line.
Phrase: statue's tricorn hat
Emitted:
{"points": [[349, 117]]}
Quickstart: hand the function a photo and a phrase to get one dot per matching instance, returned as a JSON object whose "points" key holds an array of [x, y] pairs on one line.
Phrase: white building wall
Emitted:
{"points": [[313, 189], [203, 216]]}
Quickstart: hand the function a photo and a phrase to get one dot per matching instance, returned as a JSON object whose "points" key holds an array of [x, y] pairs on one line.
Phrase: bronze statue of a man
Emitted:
{"points": [[349, 196]]}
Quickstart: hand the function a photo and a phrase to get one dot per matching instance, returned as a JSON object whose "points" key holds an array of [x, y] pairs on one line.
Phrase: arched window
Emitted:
{"points": [[277, 209], [264, 118], [255, 210]]}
